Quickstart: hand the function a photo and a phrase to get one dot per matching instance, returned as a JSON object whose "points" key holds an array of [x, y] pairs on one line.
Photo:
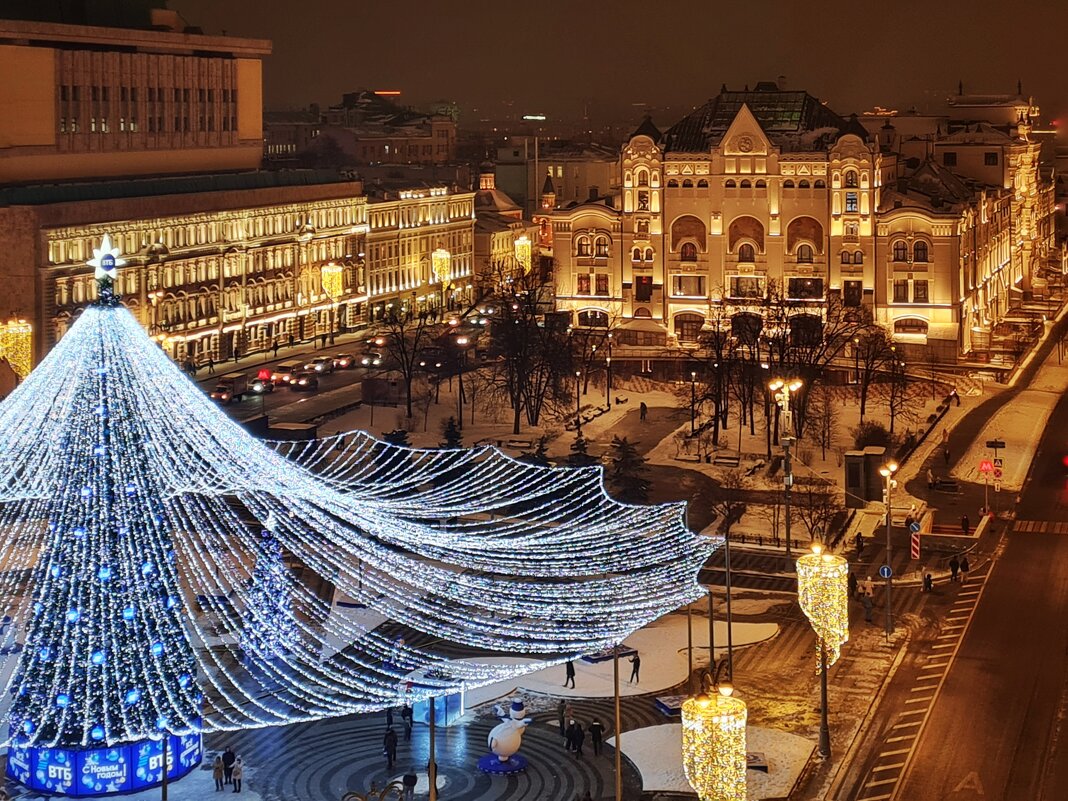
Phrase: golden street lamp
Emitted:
{"points": [[713, 745], [441, 264], [887, 472], [822, 592], [523, 252], [782, 390], [332, 279]]}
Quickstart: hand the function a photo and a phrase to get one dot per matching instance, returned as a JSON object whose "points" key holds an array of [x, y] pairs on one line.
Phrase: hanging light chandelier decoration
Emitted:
{"points": [[822, 591], [714, 746]]}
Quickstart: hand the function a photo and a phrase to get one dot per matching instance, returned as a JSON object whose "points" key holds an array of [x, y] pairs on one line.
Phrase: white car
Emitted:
{"points": [[371, 360]]}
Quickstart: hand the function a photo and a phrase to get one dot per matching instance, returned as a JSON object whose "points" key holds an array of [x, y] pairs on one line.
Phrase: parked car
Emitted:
{"points": [[371, 359], [343, 361], [231, 387], [304, 382], [320, 364], [283, 373]]}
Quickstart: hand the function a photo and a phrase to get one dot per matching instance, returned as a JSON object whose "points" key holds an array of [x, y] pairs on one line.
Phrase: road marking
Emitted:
{"points": [[910, 712], [888, 767], [945, 645], [874, 797], [921, 688], [970, 782], [919, 700], [881, 781], [900, 739], [905, 725], [894, 752]]}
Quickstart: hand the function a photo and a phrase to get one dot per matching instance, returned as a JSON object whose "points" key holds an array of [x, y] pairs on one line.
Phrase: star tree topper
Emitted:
{"points": [[106, 262]]}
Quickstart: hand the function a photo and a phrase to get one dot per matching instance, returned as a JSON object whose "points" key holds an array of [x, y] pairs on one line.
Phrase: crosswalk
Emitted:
{"points": [[900, 739], [1040, 527]]}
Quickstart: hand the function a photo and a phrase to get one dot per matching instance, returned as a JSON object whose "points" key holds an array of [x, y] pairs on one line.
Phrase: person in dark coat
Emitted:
{"points": [[964, 568], [274, 347], [868, 606], [406, 716], [954, 566], [561, 710], [596, 731], [389, 745], [852, 584], [965, 524], [229, 758], [928, 583], [569, 674], [578, 736], [643, 411], [389, 717], [636, 666], [569, 736], [860, 544]]}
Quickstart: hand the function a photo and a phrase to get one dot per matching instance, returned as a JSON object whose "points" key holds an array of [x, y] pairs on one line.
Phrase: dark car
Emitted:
{"points": [[304, 382], [343, 361], [320, 364]]}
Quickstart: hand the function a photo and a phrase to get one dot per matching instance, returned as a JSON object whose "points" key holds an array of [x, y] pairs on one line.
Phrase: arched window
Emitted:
{"points": [[802, 184], [672, 183], [821, 184], [919, 252], [761, 184], [688, 252], [687, 184], [901, 251], [583, 246], [688, 327], [851, 179], [910, 325], [730, 184], [846, 257], [787, 184], [643, 178], [636, 254], [593, 318], [746, 253], [702, 184], [858, 257], [804, 254], [600, 247], [643, 313], [648, 254], [746, 184]]}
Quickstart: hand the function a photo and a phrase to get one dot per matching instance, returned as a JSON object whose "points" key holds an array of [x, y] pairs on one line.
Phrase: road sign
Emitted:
{"points": [[999, 463], [885, 571], [986, 466], [997, 472], [915, 546], [995, 444], [914, 526], [997, 486]]}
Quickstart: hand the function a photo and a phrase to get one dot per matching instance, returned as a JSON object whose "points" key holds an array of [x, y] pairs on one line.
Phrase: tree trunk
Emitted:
{"points": [[517, 411]]}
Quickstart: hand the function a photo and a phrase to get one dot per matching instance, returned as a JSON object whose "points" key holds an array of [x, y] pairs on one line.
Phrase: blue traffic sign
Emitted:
{"points": [[914, 527], [885, 571]]}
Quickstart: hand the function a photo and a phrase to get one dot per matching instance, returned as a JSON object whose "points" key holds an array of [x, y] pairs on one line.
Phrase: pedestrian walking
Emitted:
{"points": [[956, 395], [930, 478], [217, 773], [274, 348], [211, 366], [635, 667], [292, 340], [577, 739], [928, 582], [643, 411], [389, 717], [569, 737], [322, 340], [406, 716], [228, 758], [954, 566], [853, 584], [561, 710], [965, 524], [868, 588], [569, 674], [860, 544], [239, 773], [868, 606], [964, 568], [596, 731], [237, 355], [945, 455], [389, 747], [409, 780]]}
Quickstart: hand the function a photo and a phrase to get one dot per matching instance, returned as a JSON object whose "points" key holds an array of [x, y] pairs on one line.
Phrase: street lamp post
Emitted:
{"points": [[856, 364], [618, 726], [578, 400], [693, 401], [782, 392], [887, 471], [461, 359], [608, 379]]}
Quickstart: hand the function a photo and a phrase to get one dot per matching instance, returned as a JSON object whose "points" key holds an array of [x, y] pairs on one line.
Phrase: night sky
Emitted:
{"points": [[556, 55]]}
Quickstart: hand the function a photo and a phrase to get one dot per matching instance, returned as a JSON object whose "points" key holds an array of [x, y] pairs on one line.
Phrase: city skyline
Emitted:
{"points": [[613, 64]]}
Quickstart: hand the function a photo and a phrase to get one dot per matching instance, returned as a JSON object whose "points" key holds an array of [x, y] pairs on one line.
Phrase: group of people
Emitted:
{"points": [[227, 769], [389, 740], [863, 591], [575, 736]]}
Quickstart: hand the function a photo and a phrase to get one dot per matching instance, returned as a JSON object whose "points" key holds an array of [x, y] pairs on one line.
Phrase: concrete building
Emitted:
{"points": [[770, 192], [578, 172]]}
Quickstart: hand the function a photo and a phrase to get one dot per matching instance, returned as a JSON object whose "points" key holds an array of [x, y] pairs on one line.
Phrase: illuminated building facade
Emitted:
{"points": [[767, 189], [505, 243], [409, 230]]}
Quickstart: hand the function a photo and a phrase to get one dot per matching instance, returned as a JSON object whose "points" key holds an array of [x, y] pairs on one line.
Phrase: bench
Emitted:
{"points": [[727, 461], [688, 457], [520, 443]]}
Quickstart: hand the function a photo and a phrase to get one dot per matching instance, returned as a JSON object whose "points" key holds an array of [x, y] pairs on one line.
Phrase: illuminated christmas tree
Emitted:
{"points": [[270, 630]]}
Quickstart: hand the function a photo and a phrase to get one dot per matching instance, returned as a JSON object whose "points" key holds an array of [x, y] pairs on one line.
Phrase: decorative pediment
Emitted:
{"points": [[745, 137]]}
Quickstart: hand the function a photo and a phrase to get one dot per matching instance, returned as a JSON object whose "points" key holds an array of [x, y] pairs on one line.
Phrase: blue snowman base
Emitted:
{"points": [[491, 763]]}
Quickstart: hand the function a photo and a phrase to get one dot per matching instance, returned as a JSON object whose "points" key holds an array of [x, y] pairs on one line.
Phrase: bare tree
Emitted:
{"points": [[899, 394], [405, 333], [590, 347], [817, 502], [727, 501], [823, 417], [871, 355]]}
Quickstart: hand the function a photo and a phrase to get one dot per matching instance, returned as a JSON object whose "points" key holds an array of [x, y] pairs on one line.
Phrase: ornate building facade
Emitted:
{"points": [[770, 191]]}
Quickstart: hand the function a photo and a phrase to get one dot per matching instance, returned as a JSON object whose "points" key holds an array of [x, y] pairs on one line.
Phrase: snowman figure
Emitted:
{"points": [[505, 739]]}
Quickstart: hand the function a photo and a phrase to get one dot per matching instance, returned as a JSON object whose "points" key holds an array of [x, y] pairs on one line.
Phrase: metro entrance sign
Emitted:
{"points": [[986, 466]]}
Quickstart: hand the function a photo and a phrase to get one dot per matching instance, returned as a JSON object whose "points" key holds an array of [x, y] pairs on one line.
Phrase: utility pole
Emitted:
{"points": [[788, 483]]}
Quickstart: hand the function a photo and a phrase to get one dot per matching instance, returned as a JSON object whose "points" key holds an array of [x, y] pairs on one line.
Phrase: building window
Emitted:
{"points": [[788, 184], [582, 284], [643, 178], [583, 248], [852, 292], [949, 158], [641, 229], [910, 325], [593, 318], [746, 286], [850, 179], [687, 184], [702, 184], [802, 184], [643, 201], [643, 288], [601, 285], [847, 257], [919, 252], [804, 254], [858, 257], [688, 327], [600, 248], [688, 286], [648, 254], [745, 184], [919, 292], [852, 203], [901, 291], [746, 253], [990, 158], [901, 251], [688, 252], [730, 184], [820, 184], [805, 288], [636, 254]]}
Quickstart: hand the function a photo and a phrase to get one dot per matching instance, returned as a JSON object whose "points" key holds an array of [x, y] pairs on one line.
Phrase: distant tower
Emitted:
{"points": [[487, 176], [548, 194]]}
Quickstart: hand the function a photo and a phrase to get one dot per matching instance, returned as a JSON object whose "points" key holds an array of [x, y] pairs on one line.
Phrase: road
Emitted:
{"points": [[995, 728]]}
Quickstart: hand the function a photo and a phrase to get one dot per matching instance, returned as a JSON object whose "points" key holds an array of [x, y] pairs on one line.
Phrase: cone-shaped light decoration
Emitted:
{"points": [[713, 746], [822, 591]]}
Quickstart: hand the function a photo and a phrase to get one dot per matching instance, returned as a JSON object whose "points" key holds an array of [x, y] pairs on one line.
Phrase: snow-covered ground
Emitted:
{"points": [[198, 786], [662, 646], [657, 753]]}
